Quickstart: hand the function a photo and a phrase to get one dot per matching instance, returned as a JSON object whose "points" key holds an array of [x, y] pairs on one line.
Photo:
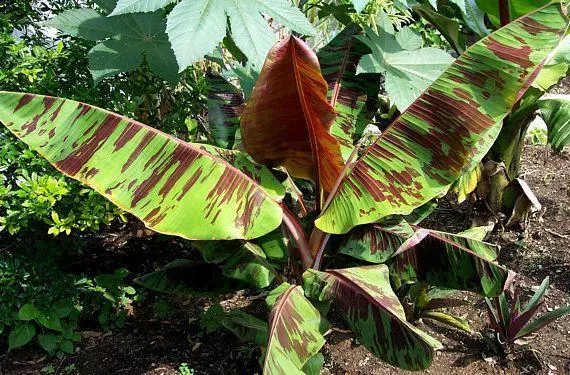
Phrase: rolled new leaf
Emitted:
{"points": [[174, 187], [372, 310], [287, 120], [449, 128]]}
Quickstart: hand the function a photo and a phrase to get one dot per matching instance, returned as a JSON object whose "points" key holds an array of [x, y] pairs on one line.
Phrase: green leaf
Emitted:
{"points": [[85, 23], [467, 183], [134, 6], [408, 39], [50, 320], [555, 111], [354, 97], [249, 265], [473, 16], [189, 278], [449, 129], [451, 320], [477, 233], [449, 28], [274, 245], [21, 335], [196, 27], [132, 37], [421, 213], [372, 310], [538, 295], [48, 342], [314, 365], [449, 261], [245, 326], [156, 177], [224, 109], [377, 242], [408, 73], [518, 8], [66, 347], [28, 312], [544, 320], [359, 5], [295, 331]]}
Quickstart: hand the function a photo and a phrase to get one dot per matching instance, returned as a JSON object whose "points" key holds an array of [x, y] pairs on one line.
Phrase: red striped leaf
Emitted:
{"points": [[287, 119], [451, 126]]}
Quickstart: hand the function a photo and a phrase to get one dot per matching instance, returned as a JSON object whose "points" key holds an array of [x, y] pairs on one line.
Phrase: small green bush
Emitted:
{"points": [[40, 304]]}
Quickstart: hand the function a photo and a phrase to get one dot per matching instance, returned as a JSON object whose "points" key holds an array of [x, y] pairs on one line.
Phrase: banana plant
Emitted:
{"points": [[235, 204]]}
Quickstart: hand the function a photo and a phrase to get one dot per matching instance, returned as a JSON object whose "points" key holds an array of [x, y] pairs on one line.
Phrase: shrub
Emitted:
{"points": [[42, 305]]}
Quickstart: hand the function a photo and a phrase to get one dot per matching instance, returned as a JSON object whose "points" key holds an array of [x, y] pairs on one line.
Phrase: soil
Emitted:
{"points": [[147, 345]]}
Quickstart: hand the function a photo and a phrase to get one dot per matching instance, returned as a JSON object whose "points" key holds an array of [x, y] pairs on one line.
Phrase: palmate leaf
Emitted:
{"points": [[295, 331], [372, 310], [408, 72], [449, 261], [125, 40], [287, 119], [173, 186], [555, 111], [196, 27], [449, 128], [225, 104], [354, 97]]}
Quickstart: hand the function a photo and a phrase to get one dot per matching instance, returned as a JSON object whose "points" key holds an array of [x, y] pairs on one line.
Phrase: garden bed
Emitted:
{"points": [[148, 345]]}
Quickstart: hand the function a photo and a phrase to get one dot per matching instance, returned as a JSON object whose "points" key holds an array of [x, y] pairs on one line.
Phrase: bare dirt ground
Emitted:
{"points": [[158, 347]]}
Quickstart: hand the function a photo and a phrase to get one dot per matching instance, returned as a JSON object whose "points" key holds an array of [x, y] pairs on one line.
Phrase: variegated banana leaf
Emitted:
{"points": [[244, 326], [189, 278], [555, 111], [449, 261], [225, 104], [173, 186], [366, 299], [287, 120], [449, 128], [295, 331], [376, 243], [354, 97], [240, 260]]}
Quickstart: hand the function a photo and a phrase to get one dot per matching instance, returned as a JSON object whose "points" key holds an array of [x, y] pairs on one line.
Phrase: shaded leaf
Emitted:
{"points": [[225, 103], [473, 16], [374, 313], [376, 243], [449, 28], [287, 120], [154, 176], [249, 265], [451, 320], [48, 341], [555, 111], [448, 130], [189, 278], [295, 333], [449, 261], [21, 335]]}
